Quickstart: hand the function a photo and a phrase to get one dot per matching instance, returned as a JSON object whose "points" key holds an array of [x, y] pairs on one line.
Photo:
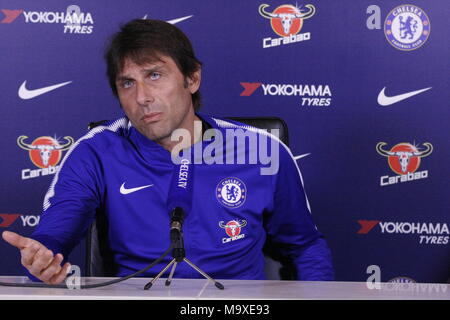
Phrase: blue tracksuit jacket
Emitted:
{"points": [[234, 207]]}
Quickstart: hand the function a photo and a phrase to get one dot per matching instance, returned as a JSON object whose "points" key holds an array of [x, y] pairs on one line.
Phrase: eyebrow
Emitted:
{"points": [[157, 67]]}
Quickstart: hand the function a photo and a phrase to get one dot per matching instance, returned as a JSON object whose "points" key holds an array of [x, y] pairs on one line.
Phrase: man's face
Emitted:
{"points": [[156, 97]]}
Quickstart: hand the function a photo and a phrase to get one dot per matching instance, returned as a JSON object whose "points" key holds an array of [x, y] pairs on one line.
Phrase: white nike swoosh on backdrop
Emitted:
{"points": [[173, 21], [301, 156], [383, 100], [25, 94], [124, 190], [179, 19]]}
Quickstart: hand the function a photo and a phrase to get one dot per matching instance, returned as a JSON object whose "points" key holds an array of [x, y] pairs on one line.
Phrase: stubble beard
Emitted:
{"points": [[164, 134]]}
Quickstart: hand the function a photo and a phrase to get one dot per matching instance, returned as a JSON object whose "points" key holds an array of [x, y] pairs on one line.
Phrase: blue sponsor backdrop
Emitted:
{"points": [[325, 77]]}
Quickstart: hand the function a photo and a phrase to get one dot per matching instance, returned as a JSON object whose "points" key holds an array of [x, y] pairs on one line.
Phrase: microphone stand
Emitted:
{"points": [[179, 254]]}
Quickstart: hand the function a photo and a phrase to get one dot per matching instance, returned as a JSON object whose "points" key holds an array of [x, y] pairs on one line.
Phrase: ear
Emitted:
{"points": [[193, 81]]}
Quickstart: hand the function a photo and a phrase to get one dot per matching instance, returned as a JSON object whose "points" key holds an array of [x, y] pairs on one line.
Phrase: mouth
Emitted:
{"points": [[152, 117]]}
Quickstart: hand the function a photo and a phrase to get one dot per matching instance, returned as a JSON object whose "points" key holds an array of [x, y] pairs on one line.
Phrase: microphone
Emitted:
{"points": [[176, 224], [179, 204], [179, 200]]}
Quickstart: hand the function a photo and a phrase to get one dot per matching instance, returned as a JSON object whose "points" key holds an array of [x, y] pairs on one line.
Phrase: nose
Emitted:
{"points": [[144, 95]]}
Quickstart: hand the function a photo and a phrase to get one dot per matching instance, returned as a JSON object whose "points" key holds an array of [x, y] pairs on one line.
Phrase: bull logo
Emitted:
{"points": [[45, 151], [233, 228], [404, 158], [287, 19]]}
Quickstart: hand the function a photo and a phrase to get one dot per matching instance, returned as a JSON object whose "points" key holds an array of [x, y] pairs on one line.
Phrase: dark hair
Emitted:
{"points": [[145, 41]]}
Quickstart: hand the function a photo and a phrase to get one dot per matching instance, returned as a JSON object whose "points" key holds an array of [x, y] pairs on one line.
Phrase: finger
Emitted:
{"points": [[53, 269], [28, 254], [42, 260], [58, 278], [16, 240]]}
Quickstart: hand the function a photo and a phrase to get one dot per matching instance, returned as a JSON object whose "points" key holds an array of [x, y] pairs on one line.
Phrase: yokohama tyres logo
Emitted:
{"points": [[74, 20], [310, 94], [10, 15], [8, 219], [429, 233], [367, 225], [249, 88]]}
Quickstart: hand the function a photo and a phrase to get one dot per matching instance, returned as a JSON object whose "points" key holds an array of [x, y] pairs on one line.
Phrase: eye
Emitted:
{"points": [[155, 75], [127, 84]]}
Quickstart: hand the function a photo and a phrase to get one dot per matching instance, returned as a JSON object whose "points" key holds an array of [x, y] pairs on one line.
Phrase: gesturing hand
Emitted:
{"points": [[39, 261]]}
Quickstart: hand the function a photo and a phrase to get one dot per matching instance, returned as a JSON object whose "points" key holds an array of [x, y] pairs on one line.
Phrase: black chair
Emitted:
{"points": [[99, 259]]}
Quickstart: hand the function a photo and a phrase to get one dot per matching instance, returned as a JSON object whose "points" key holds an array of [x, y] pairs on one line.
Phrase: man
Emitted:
{"points": [[124, 168]]}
